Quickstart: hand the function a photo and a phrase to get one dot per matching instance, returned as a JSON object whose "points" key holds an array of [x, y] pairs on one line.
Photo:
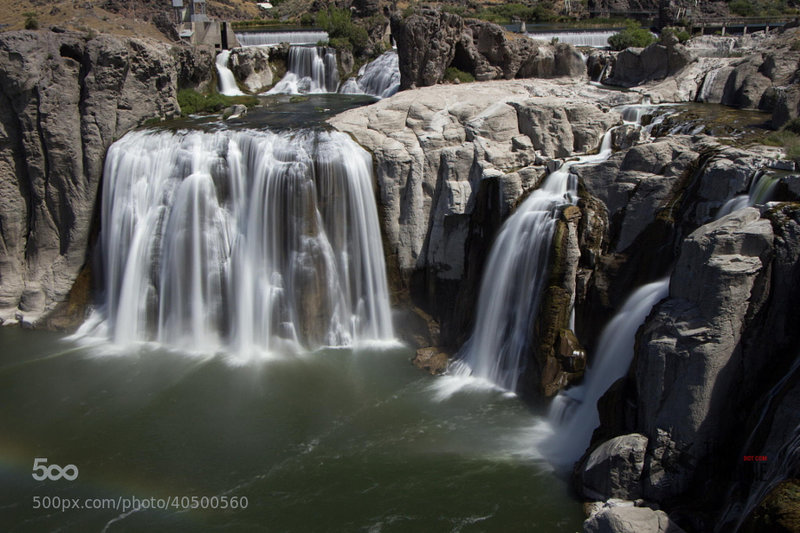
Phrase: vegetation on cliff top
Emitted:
{"points": [[632, 36]]}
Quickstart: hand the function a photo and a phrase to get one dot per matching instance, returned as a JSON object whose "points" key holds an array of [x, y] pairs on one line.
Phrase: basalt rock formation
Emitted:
{"points": [[66, 98], [428, 42]]}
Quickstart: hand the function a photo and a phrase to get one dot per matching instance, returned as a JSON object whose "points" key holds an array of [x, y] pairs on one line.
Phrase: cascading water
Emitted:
{"points": [[761, 190], [267, 38], [573, 412], [517, 267], [594, 39], [250, 240], [311, 69], [380, 77], [227, 83]]}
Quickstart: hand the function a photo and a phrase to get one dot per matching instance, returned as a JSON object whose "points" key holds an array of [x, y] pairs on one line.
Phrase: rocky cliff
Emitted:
{"points": [[66, 98], [429, 42]]}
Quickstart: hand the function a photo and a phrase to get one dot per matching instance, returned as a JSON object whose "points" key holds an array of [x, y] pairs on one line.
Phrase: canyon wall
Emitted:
{"points": [[66, 98]]}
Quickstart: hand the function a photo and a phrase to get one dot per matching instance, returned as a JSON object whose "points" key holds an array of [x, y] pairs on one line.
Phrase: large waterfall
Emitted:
{"points": [[516, 270], [311, 69], [247, 240], [380, 77]]}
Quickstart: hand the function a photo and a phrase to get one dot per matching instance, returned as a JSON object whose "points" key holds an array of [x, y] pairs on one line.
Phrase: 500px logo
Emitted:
{"points": [[53, 472]]}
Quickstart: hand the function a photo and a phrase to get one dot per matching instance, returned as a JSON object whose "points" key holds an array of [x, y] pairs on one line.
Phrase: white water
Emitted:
{"points": [[380, 77], [311, 69], [516, 269], [227, 83], [595, 39], [761, 189], [573, 412], [262, 38], [243, 240]]}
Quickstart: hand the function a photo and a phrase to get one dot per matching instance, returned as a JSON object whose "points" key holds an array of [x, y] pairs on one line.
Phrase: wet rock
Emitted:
{"points": [[778, 512], [431, 359]]}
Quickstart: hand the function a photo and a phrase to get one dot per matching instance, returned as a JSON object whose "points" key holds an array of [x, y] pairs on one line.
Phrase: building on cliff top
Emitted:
{"points": [[197, 29]]}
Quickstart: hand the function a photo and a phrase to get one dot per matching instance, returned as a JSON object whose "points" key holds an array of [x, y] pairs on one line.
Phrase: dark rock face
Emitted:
{"points": [[426, 46], [429, 42], [65, 100], [635, 66]]}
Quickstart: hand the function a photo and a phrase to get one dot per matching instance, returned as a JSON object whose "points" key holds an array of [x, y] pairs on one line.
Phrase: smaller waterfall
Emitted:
{"points": [[516, 270], [574, 412], [761, 189], [312, 69], [227, 83], [266, 38], [594, 39], [380, 77], [634, 113]]}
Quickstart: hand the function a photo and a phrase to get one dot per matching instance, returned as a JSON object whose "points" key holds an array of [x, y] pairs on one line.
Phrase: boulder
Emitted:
{"points": [[426, 44], [251, 66], [635, 66], [630, 519], [614, 469]]}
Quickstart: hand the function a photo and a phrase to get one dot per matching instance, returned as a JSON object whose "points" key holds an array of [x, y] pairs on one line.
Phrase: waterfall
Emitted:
{"points": [[380, 77], [574, 412], [264, 38], [248, 240], [227, 83], [311, 69], [516, 270], [594, 39], [761, 189]]}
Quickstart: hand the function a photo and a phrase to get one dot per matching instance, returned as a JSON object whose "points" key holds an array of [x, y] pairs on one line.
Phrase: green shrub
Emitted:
{"points": [[340, 27], [31, 22], [743, 8], [192, 102], [632, 36], [307, 19], [453, 74]]}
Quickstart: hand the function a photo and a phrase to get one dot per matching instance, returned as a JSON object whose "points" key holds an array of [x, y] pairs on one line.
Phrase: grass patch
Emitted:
{"points": [[788, 138], [452, 74], [192, 102]]}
